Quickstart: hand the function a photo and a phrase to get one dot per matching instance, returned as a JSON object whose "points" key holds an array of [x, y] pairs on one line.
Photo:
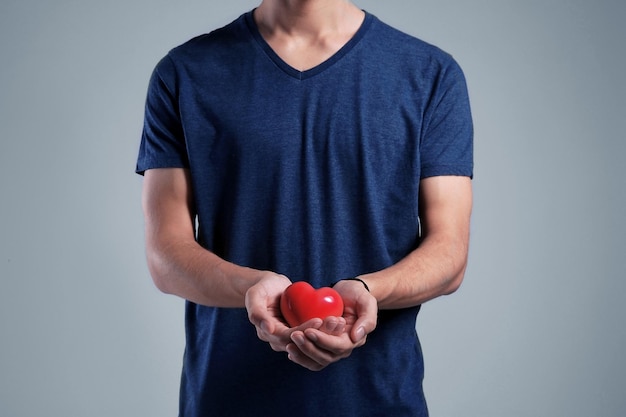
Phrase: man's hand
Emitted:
{"points": [[316, 347], [263, 305]]}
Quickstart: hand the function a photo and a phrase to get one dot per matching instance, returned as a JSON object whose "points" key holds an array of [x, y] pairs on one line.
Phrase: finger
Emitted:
{"points": [[314, 323], [279, 339], [297, 356], [325, 348], [307, 344], [256, 304], [334, 325], [280, 336], [366, 321]]}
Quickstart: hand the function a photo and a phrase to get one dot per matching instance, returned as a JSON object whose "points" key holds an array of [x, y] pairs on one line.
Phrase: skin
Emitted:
{"points": [[305, 33]]}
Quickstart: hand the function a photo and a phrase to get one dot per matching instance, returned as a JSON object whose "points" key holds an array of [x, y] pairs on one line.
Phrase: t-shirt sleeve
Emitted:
{"points": [[162, 141], [446, 147]]}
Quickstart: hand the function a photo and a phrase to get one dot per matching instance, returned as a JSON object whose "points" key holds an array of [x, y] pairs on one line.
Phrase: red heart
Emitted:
{"points": [[301, 302]]}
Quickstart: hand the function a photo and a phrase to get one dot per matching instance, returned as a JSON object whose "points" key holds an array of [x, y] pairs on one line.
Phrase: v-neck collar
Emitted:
{"points": [[296, 73]]}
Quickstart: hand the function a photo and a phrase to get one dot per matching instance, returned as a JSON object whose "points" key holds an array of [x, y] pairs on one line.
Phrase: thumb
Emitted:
{"points": [[366, 321]]}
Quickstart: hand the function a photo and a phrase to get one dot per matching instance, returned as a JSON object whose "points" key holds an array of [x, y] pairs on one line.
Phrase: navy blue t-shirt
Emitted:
{"points": [[314, 175]]}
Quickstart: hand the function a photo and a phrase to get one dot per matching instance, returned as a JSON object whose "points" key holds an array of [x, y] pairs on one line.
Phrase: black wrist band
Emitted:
{"points": [[352, 279]]}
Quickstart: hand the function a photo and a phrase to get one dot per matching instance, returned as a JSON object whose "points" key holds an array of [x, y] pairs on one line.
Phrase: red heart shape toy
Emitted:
{"points": [[301, 302]]}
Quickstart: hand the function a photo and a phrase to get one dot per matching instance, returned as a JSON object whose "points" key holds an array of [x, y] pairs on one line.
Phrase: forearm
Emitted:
{"points": [[434, 269], [191, 272], [177, 263]]}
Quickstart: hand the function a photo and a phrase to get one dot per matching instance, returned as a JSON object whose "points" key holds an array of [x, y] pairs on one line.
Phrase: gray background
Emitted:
{"points": [[537, 328]]}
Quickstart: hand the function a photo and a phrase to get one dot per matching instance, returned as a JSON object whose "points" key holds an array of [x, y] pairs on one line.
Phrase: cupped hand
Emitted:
{"points": [[262, 302], [317, 347]]}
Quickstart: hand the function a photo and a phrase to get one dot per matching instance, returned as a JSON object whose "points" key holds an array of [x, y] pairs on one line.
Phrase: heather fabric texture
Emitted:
{"points": [[314, 175]]}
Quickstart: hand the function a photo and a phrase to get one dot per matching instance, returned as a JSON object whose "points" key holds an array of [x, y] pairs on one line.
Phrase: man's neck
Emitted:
{"points": [[305, 33], [307, 19]]}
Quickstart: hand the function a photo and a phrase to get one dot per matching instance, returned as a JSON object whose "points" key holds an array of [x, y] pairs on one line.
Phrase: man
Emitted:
{"points": [[307, 140]]}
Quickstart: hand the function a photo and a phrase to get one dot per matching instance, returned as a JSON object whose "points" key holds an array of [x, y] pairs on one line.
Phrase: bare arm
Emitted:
{"points": [[437, 266], [177, 263], [180, 266], [434, 269]]}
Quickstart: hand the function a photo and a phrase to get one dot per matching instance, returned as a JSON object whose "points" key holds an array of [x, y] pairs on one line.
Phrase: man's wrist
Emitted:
{"points": [[352, 279]]}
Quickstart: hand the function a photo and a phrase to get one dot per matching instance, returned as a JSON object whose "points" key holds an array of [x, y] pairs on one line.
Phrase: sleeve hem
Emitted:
{"points": [[450, 170]]}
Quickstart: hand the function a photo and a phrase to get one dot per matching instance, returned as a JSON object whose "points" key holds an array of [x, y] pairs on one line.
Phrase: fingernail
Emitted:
{"points": [[360, 333], [298, 338]]}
